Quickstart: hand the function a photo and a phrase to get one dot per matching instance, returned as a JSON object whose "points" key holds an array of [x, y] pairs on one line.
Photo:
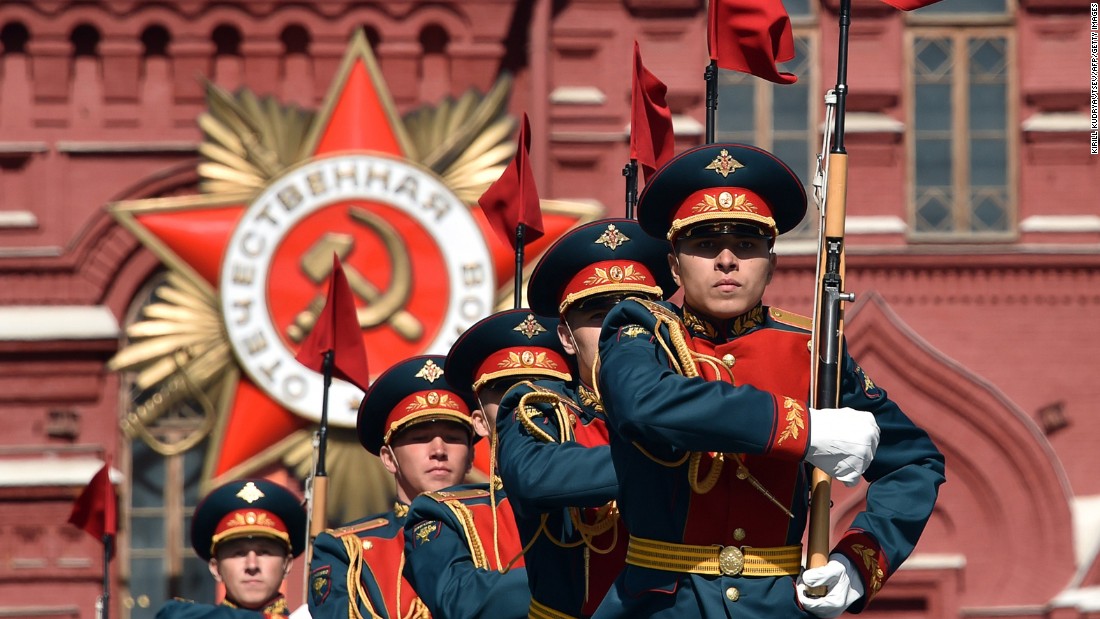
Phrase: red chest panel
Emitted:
{"points": [[508, 541], [733, 511], [594, 434], [384, 557]]}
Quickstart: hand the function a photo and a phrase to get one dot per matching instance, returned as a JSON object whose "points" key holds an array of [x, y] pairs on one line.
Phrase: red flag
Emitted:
{"points": [[513, 199], [652, 141], [337, 329], [909, 5], [751, 36], [96, 509]]}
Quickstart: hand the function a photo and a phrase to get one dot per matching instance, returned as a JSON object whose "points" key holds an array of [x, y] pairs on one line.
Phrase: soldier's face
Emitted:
{"points": [[252, 569], [428, 457], [724, 275]]}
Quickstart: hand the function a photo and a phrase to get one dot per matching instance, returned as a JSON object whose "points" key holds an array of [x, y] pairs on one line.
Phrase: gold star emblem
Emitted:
{"points": [[724, 164], [430, 371], [250, 493], [612, 238], [530, 327]]}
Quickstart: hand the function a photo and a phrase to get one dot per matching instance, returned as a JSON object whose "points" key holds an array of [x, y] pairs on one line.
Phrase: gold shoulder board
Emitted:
{"points": [[655, 308], [791, 318], [442, 496], [362, 526]]}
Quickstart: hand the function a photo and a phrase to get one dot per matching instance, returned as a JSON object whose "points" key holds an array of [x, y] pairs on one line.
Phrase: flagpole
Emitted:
{"points": [[518, 286], [319, 485], [711, 77], [105, 598], [630, 171]]}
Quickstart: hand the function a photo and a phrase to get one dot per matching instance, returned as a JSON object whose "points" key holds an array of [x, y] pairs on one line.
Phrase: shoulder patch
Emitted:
{"points": [[790, 318], [362, 526], [426, 531], [442, 496], [320, 584], [634, 331]]}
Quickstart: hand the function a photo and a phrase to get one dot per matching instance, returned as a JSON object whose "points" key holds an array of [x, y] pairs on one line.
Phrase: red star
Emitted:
{"points": [[191, 235]]}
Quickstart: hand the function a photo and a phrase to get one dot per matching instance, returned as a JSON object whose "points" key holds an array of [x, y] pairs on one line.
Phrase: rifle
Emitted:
{"points": [[829, 295]]}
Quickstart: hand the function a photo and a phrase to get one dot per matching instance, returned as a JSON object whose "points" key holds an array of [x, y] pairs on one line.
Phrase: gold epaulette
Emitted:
{"points": [[442, 496], [791, 318], [356, 528]]}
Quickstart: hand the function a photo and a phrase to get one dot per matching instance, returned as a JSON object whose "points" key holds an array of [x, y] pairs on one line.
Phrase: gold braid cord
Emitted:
{"points": [[527, 413], [466, 520], [685, 363], [417, 610], [354, 547]]}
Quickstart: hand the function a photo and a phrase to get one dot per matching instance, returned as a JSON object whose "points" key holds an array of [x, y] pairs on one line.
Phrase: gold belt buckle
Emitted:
{"points": [[731, 561]]}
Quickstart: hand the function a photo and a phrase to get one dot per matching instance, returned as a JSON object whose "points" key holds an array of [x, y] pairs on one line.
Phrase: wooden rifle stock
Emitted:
{"points": [[826, 345]]}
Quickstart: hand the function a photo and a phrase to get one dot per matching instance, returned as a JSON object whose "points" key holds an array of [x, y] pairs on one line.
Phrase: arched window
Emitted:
{"points": [[227, 40], [85, 40], [434, 39], [155, 40], [295, 40], [14, 37]]}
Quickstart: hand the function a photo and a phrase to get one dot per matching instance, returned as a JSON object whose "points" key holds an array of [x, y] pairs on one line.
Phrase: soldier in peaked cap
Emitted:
{"points": [[248, 531], [450, 562], [554, 454], [420, 428], [711, 434]]}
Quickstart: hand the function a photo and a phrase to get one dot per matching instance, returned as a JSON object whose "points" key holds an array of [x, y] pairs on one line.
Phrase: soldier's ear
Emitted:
{"points": [[566, 337], [213, 565], [674, 266], [480, 422], [389, 460], [772, 261]]}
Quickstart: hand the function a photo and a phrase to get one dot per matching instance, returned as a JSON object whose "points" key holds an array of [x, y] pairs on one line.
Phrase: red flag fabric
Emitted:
{"points": [[652, 141], [513, 199], [96, 509], [337, 329], [751, 36], [909, 5]]}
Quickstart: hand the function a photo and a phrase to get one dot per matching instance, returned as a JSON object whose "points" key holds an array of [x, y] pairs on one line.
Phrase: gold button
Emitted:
{"points": [[729, 360], [809, 345], [367, 544], [739, 534], [732, 594], [572, 419]]}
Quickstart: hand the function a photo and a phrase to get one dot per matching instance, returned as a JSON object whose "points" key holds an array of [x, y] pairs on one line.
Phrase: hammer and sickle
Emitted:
{"points": [[382, 307]]}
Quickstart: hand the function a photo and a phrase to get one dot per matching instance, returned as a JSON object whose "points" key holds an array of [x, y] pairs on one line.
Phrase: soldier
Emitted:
{"points": [[249, 531], [711, 433], [554, 454], [421, 430], [473, 567]]}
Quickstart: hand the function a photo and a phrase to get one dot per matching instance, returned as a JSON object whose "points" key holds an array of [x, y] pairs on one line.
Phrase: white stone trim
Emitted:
{"points": [[934, 561], [18, 219], [52, 471], [577, 95], [1061, 223], [1056, 122], [24, 323]]}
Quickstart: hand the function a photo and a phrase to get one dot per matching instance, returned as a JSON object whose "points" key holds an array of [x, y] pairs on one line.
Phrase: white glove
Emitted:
{"points": [[842, 442], [843, 587]]}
